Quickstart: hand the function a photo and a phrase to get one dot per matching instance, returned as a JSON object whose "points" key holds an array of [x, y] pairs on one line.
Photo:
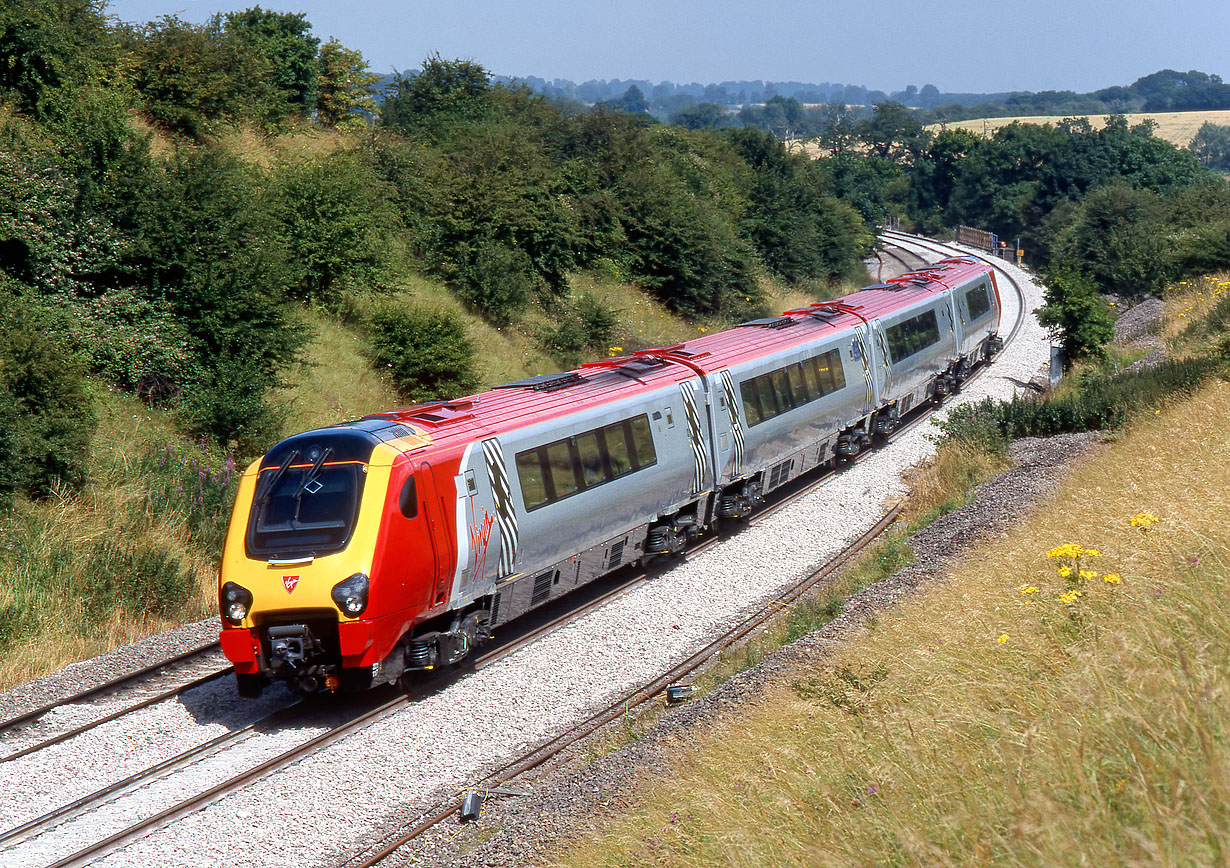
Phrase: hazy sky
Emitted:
{"points": [[884, 44]]}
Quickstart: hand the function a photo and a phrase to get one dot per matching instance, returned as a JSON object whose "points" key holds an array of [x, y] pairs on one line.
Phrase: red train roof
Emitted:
{"points": [[537, 399]]}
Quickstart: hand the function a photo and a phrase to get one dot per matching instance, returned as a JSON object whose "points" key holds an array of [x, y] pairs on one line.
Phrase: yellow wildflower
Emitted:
{"points": [[1067, 550], [1070, 597], [1064, 572], [1144, 519], [1026, 590], [1113, 579], [1087, 575], [1091, 553], [1003, 637]]}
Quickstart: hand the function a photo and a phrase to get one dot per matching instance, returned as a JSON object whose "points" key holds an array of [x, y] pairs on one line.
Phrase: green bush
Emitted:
{"points": [[498, 280], [46, 405], [334, 222], [1102, 401], [230, 404], [1076, 315], [135, 344], [426, 351], [584, 327]]}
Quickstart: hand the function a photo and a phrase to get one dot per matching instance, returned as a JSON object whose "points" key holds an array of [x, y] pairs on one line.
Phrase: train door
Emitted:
{"points": [[867, 350], [437, 533], [728, 425]]}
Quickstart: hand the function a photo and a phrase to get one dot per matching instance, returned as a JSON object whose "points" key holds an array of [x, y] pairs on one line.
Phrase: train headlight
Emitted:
{"points": [[236, 603], [350, 595]]}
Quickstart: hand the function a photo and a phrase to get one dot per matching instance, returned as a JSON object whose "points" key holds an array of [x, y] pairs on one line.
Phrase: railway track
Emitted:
{"points": [[139, 682], [356, 719]]}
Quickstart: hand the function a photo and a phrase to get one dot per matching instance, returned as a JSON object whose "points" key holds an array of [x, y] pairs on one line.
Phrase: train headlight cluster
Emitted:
{"points": [[236, 603], [350, 595]]}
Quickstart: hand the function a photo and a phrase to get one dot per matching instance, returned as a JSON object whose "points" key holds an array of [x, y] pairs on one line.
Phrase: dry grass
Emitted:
{"points": [[335, 381], [1191, 300], [51, 546], [1094, 733], [1175, 127]]}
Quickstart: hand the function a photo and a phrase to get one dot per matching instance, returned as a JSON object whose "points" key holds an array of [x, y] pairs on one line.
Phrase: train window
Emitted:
{"points": [[794, 373], [642, 442], [533, 483], [913, 335], [832, 361], [814, 387], [562, 469], [408, 501], [617, 449], [592, 470], [978, 300], [781, 388], [751, 410], [764, 397], [829, 372]]}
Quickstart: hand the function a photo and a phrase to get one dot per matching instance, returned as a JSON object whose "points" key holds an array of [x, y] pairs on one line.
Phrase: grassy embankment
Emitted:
{"points": [[1000, 718]]}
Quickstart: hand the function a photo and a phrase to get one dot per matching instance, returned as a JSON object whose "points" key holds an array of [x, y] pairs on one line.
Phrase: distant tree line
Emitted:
{"points": [[1165, 90]]}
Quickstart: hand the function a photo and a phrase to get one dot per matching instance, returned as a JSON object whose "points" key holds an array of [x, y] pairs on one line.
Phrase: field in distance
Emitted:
{"points": [[1175, 127]]}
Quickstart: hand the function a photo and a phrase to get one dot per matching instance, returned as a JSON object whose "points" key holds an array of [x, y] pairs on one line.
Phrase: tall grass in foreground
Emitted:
{"points": [[991, 723], [133, 553]]}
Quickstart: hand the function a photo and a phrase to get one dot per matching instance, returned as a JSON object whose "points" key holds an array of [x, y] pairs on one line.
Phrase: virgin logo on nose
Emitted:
{"points": [[289, 582]]}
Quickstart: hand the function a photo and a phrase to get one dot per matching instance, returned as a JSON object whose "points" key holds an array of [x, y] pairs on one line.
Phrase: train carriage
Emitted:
{"points": [[363, 552]]}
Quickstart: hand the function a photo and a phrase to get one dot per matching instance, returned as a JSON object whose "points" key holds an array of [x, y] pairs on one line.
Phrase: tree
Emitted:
{"points": [[344, 94], [1076, 315], [286, 39], [189, 76], [702, 116], [1211, 145], [1118, 238], [894, 133], [633, 101], [442, 91], [49, 44]]}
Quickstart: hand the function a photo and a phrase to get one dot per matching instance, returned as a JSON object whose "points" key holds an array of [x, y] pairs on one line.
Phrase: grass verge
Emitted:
{"points": [[990, 723]]}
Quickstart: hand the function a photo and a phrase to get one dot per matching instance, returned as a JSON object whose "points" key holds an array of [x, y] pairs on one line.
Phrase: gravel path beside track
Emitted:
{"points": [[318, 810]]}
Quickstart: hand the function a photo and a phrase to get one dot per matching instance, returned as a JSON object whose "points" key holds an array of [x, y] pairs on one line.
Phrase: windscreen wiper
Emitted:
{"points": [[269, 483], [308, 479]]}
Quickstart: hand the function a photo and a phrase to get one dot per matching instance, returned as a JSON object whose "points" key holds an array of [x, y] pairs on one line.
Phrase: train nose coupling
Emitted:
{"points": [[292, 644]]}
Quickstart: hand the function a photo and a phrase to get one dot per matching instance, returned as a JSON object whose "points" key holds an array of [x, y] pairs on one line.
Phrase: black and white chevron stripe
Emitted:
{"points": [[505, 516], [736, 421], [864, 352], [694, 434]]}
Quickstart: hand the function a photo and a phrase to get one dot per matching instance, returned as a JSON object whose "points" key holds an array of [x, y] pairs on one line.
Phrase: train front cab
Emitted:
{"points": [[328, 562]]}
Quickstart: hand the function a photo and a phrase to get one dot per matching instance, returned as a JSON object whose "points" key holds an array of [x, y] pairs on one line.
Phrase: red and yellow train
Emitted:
{"points": [[368, 550]]}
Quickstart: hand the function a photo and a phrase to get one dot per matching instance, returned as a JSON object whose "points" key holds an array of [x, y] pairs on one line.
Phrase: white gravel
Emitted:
{"points": [[318, 810]]}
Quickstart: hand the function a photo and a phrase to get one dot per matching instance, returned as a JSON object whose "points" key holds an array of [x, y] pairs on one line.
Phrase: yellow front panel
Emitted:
{"points": [[316, 580]]}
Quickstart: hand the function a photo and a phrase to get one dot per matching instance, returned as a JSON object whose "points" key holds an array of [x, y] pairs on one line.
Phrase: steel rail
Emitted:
{"points": [[543, 753], [107, 718], [111, 686]]}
